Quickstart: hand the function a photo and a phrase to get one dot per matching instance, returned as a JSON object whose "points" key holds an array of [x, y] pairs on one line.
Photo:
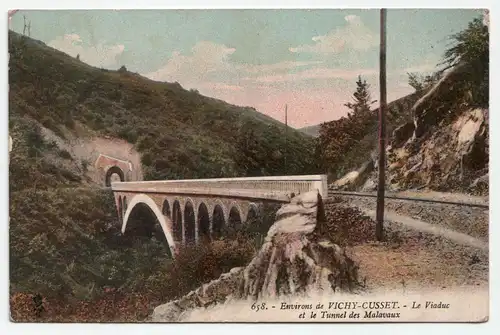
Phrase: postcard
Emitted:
{"points": [[249, 165]]}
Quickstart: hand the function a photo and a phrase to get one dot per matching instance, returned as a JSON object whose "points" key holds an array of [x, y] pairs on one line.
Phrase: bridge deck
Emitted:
{"points": [[277, 188]]}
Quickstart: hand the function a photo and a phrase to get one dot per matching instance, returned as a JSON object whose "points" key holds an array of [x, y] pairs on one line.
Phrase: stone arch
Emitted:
{"points": [[166, 209], [189, 222], [144, 199], [113, 170], [254, 221], [222, 206], [234, 221], [203, 223], [177, 221], [253, 212], [218, 221], [242, 214]]}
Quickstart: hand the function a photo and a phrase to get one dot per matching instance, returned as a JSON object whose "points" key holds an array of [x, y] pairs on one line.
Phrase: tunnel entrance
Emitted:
{"points": [[114, 173]]}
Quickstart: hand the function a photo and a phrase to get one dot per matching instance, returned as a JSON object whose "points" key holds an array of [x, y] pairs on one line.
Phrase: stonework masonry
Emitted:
{"points": [[183, 206]]}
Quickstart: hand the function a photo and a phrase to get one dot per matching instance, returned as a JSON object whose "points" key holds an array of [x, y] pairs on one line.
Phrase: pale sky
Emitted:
{"points": [[308, 59]]}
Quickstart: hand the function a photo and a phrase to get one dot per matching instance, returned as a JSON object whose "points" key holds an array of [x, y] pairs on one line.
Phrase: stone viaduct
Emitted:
{"points": [[200, 209]]}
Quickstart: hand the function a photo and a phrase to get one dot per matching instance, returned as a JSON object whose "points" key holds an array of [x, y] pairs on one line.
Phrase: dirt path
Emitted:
{"points": [[416, 268], [418, 225], [418, 253]]}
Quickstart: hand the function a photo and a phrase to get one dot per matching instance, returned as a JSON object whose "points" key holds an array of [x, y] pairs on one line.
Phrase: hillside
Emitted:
{"points": [[179, 133], [443, 145], [311, 130], [347, 143], [437, 140], [64, 236]]}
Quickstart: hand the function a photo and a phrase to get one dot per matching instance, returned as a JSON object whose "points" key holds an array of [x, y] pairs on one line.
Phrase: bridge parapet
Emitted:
{"points": [[277, 188]]}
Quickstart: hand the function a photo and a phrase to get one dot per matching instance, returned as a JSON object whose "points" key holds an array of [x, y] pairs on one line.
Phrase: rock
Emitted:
{"points": [[480, 186], [355, 179], [369, 186], [294, 258], [402, 134], [425, 111], [446, 158]]}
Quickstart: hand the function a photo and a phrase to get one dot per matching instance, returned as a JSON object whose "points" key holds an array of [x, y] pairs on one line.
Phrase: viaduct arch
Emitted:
{"points": [[144, 199], [201, 210], [192, 219]]}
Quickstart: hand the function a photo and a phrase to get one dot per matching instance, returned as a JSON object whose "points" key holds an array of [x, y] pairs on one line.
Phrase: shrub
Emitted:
{"points": [[195, 265], [63, 153]]}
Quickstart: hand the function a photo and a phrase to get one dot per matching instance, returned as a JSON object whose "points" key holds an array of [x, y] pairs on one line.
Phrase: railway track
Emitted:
{"points": [[332, 194]]}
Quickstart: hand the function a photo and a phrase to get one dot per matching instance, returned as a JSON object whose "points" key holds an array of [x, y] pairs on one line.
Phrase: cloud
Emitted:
{"points": [[100, 55], [355, 35], [220, 87], [315, 73], [313, 91], [206, 58], [281, 66], [209, 61]]}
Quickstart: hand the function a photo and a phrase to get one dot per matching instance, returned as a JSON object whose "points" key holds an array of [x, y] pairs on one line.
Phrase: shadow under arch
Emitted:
{"points": [[203, 223], [234, 220], [144, 199], [177, 221], [253, 213], [218, 222], [111, 171], [189, 222], [166, 208]]}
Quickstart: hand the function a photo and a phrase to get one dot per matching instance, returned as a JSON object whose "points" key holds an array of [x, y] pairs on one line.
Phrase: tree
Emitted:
{"points": [[420, 82], [470, 48], [362, 98], [416, 81]]}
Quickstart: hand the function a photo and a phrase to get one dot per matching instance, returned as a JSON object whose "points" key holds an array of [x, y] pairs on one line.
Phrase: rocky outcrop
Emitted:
{"points": [[295, 258], [444, 148], [355, 179], [449, 158]]}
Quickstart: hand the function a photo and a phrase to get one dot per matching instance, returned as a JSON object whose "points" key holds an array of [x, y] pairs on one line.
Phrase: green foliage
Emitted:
{"points": [[345, 144], [421, 83], [362, 98], [64, 154], [65, 242], [180, 134], [470, 47], [337, 137]]}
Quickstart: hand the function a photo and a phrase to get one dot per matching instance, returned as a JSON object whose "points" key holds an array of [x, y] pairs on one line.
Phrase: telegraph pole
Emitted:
{"points": [[286, 136], [381, 134]]}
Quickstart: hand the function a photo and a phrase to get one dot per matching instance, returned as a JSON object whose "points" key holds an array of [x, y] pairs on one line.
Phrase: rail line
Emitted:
{"points": [[394, 197]]}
